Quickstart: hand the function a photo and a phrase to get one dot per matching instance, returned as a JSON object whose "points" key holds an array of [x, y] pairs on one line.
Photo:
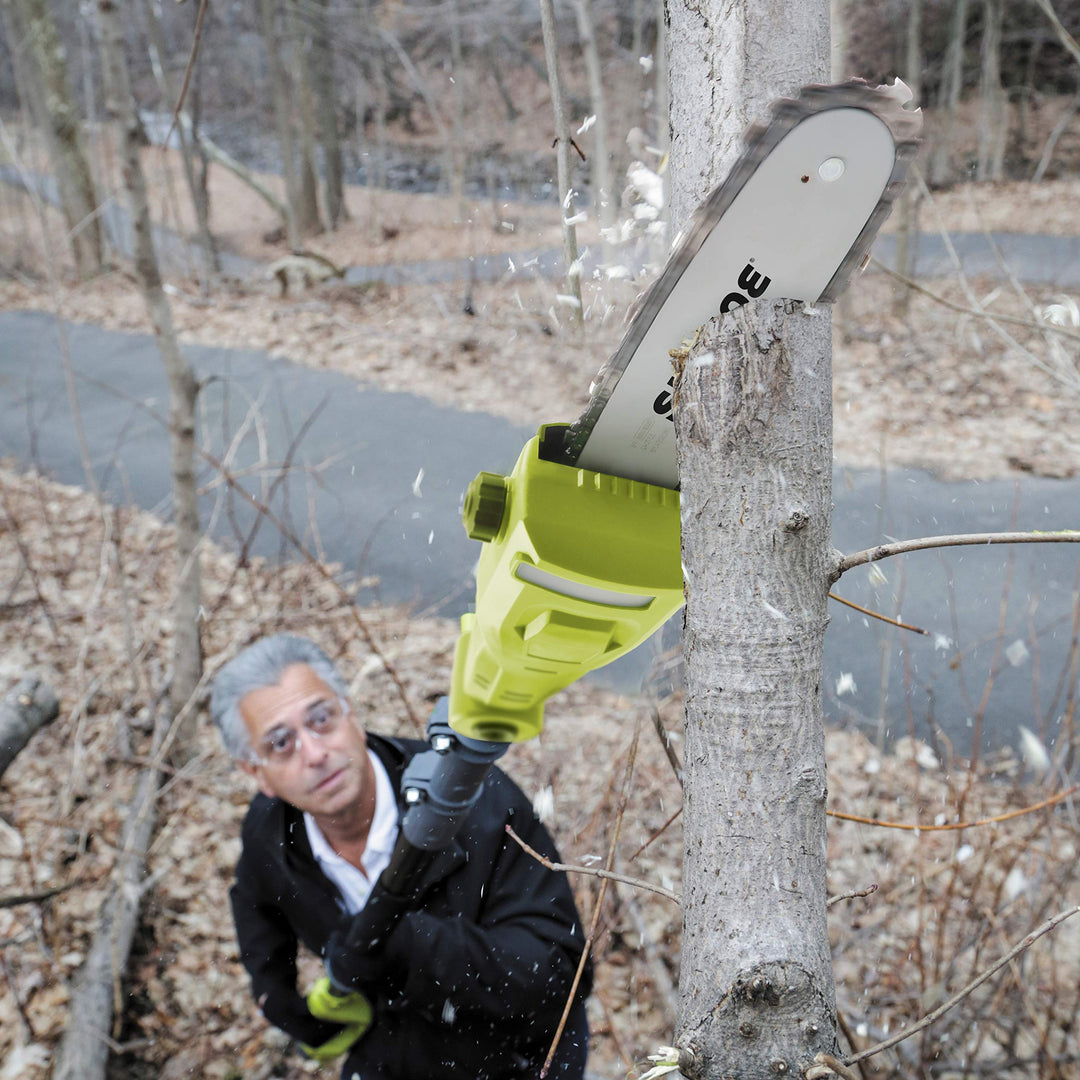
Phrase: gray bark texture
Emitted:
{"points": [[322, 53], [183, 388], [993, 118], [27, 708], [753, 422], [41, 63]]}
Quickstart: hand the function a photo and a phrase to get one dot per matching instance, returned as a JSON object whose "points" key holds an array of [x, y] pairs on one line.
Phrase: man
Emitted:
{"points": [[472, 978]]}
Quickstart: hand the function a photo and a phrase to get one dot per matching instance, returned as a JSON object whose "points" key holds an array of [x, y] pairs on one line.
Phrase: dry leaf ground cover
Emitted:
{"points": [[84, 595], [84, 590]]}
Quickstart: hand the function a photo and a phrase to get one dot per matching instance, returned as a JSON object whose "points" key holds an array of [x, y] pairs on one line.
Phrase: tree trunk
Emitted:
{"points": [[753, 426], [907, 209], [457, 144], [308, 220], [941, 169], [186, 648], [322, 57], [601, 156], [279, 92], [27, 708], [562, 157], [42, 63], [992, 113]]}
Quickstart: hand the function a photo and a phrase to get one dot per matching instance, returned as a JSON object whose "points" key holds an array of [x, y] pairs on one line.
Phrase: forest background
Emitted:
{"points": [[417, 131]]}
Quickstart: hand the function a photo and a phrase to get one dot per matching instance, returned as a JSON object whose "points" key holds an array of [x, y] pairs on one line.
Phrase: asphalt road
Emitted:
{"points": [[376, 482]]}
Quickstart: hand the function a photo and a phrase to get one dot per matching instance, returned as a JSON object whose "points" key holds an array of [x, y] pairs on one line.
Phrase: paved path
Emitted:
{"points": [[378, 478]]}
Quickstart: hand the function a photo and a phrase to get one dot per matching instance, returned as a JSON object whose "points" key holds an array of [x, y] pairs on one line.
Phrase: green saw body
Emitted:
{"points": [[577, 568]]}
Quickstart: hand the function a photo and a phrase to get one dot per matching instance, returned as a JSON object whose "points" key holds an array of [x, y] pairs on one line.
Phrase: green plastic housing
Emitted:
{"points": [[580, 569]]}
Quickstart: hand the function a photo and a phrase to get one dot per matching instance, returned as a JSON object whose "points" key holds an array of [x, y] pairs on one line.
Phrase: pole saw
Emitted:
{"points": [[581, 541]]}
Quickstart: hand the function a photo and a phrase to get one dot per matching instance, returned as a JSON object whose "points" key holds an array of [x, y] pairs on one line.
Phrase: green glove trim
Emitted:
{"points": [[353, 1010], [336, 1046]]}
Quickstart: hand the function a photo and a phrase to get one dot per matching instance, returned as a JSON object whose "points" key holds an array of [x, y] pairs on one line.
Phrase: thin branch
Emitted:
{"points": [[878, 615], [590, 937], [826, 1065], [669, 750], [868, 891], [885, 551], [1024, 944], [36, 898], [189, 69], [656, 835], [609, 875], [964, 309], [1061, 796]]}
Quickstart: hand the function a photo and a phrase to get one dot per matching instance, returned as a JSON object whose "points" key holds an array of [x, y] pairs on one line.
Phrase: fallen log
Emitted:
{"points": [[96, 996], [27, 708]]}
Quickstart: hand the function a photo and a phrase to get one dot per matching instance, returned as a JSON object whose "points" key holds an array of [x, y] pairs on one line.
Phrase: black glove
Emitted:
{"points": [[355, 953]]}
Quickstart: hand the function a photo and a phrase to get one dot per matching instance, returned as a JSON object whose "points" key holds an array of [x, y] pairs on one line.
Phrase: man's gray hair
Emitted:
{"points": [[258, 666]]}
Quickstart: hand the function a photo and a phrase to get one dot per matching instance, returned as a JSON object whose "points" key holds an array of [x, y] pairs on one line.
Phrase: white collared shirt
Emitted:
{"points": [[354, 886]]}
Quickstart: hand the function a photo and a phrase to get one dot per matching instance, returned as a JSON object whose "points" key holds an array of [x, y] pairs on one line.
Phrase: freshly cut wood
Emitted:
{"points": [[25, 710]]}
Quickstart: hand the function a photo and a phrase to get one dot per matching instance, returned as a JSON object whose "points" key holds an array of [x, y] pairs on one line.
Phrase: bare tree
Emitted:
{"points": [[603, 191], [183, 388], [278, 79], [753, 423], [325, 87], [993, 118], [907, 208], [952, 85], [41, 69], [199, 200], [562, 150]]}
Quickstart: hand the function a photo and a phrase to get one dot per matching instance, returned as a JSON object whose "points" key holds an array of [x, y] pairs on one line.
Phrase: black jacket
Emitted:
{"points": [[482, 969]]}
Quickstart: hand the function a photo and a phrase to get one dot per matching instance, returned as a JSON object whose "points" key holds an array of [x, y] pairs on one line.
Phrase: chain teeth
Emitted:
{"points": [[885, 102]]}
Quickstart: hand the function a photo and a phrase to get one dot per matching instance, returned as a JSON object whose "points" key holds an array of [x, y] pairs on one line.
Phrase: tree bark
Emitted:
{"points": [[753, 426], [322, 56], [183, 389], [276, 75], [907, 209], [562, 157], [992, 113], [84, 1049], [23, 712], [308, 220], [42, 63]]}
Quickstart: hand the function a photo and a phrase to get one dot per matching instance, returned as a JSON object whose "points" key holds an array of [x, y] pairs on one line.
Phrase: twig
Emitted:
{"points": [[1052, 801], [290, 535], [189, 69], [964, 309], [609, 875], [24, 1016], [594, 921], [826, 1065], [878, 615], [18, 900], [930, 1018], [885, 551], [868, 891], [656, 835], [669, 750]]}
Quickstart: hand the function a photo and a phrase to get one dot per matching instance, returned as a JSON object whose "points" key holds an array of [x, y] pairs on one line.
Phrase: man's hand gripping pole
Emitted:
{"points": [[578, 568]]}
